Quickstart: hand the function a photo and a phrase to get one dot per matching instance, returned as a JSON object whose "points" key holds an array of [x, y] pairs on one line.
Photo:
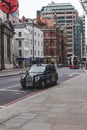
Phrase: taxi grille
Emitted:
{"points": [[29, 78]]}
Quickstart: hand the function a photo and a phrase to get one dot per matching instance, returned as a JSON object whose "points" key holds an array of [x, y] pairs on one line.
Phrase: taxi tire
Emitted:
{"points": [[43, 84], [23, 86]]}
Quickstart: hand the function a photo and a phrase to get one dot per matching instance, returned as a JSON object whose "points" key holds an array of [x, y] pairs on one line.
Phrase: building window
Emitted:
{"points": [[68, 21], [69, 50], [46, 43], [51, 43], [35, 43], [20, 34], [31, 52], [20, 43], [41, 44], [38, 53], [69, 27], [38, 35], [69, 36], [52, 52], [31, 41], [69, 17], [68, 12], [35, 52], [38, 43], [46, 52], [86, 49], [69, 32], [42, 53], [69, 40], [61, 17], [20, 52], [69, 45]]}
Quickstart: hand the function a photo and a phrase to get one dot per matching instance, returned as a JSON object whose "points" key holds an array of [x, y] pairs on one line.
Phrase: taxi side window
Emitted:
{"points": [[53, 69], [48, 69]]}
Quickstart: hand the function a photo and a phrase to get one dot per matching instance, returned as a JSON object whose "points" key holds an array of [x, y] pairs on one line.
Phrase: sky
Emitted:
{"points": [[28, 8]]}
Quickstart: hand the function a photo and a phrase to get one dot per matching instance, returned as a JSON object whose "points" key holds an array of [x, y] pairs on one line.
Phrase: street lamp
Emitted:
{"points": [[33, 39]]}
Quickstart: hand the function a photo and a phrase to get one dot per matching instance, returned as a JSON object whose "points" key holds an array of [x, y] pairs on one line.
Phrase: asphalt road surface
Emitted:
{"points": [[10, 88]]}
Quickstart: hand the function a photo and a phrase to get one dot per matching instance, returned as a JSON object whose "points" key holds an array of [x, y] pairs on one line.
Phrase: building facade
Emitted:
{"points": [[28, 44], [6, 45], [6, 42], [66, 16], [83, 36], [79, 38], [54, 40]]}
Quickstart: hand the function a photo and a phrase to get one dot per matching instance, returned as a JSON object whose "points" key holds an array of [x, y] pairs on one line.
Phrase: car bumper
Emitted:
{"points": [[32, 84]]}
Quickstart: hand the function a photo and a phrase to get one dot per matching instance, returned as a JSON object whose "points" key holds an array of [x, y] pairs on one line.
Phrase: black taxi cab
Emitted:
{"points": [[39, 76]]}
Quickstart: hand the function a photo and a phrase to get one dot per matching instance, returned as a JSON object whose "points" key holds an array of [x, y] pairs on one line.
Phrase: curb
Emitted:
{"points": [[8, 75]]}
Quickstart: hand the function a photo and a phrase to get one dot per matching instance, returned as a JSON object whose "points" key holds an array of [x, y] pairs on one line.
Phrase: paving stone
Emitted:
{"points": [[36, 126], [68, 127]]}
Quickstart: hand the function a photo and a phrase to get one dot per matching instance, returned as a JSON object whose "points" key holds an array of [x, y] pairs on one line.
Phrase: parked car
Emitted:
{"points": [[39, 76]]}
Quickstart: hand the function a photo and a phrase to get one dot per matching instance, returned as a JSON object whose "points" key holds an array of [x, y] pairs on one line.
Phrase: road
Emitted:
{"points": [[10, 88], [66, 73]]}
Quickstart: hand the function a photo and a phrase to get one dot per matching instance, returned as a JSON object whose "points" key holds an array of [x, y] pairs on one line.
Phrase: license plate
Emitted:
{"points": [[29, 84]]}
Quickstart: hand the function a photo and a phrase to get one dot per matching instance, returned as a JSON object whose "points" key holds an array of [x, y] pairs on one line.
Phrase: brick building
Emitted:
{"points": [[66, 16], [54, 40]]}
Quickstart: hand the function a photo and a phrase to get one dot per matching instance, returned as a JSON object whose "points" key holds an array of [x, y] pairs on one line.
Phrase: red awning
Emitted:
{"points": [[9, 6]]}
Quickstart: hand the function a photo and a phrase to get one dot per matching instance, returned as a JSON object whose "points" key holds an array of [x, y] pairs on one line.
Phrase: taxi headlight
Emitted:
{"points": [[37, 78]]}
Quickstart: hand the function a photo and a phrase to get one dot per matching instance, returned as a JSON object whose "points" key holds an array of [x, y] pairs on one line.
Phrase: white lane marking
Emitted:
{"points": [[14, 86], [2, 107], [73, 74], [11, 90], [8, 90], [70, 75]]}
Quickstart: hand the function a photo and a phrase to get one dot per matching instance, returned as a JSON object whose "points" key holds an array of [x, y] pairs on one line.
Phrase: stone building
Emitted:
{"points": [[6, 45]]}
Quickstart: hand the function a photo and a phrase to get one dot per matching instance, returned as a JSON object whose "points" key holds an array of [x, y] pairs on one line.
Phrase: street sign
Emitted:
{"points": [[9, 6]]}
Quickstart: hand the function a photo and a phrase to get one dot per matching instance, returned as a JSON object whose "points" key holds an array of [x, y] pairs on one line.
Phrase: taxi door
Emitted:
{"points": [[48, 74]]}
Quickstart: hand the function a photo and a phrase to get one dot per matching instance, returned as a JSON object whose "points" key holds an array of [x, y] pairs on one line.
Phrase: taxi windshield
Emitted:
{"points": [[37, 69]]}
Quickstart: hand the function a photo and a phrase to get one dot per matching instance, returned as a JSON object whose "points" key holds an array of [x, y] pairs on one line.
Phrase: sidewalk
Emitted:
{"points": [[11, 72], [62, 107]]}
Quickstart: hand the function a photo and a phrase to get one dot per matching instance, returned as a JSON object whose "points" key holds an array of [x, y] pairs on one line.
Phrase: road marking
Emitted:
{"points": [[10, 87], [73, 74], [8, 90], [11, 90], [13, 86], [2, 107]]}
